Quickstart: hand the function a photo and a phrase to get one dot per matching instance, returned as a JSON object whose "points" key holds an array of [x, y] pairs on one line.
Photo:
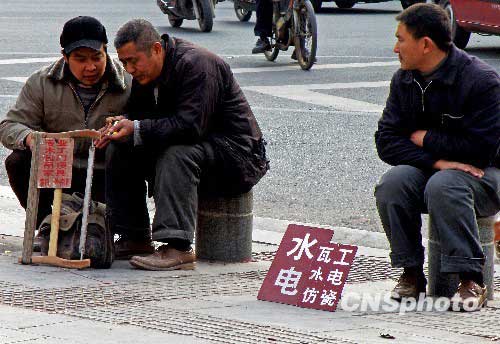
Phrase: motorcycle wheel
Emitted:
{"points": [[242, 14], [174, 21], [206, 20], [306, 35], [272, 54]]}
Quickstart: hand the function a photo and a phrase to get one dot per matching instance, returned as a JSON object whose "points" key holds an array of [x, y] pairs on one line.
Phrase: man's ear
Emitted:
{"points": [[64, 55], [429, 45], [156, 48]]}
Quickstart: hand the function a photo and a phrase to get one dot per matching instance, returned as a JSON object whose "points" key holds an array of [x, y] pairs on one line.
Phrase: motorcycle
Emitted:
{"points": [[294, 24], [244, 9], [178, 10]]}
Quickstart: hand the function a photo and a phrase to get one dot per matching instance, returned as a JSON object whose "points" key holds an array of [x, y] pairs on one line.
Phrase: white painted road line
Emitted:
{"points": [[27, 60], [17, 79], [272, 68], [316, 67], [305, 93]]}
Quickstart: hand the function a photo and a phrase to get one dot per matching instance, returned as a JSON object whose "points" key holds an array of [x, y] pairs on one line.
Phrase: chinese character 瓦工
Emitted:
{"points": [[302, 246], [288, 281], [324, 255], [344, 254]]}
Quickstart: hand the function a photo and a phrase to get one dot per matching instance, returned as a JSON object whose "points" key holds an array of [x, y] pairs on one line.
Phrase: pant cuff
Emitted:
{"points": [[454, 264], [169, 233], [406, 260], [131, 232]]}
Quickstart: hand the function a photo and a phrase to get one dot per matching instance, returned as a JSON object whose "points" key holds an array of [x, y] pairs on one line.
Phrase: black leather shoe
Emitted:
{"points": [[409, 286], [261, 45]]}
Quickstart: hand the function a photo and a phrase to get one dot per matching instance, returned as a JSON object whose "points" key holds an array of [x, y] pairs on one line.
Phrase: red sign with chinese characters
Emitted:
{"points": [[309, 270], [55, 163]]}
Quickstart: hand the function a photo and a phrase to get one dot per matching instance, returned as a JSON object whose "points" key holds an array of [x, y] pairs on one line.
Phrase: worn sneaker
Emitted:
{"points": [[409, 286], [261, 46], [165, 258], [470, 297], [126, 248]]}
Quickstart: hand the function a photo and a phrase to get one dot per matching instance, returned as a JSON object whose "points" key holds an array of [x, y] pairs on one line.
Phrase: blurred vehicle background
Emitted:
{"points": [[350, 3], [467, 16]]}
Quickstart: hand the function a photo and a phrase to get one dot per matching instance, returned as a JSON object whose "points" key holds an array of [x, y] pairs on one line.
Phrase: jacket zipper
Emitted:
{"points": [[99, 96], [423, 92]]}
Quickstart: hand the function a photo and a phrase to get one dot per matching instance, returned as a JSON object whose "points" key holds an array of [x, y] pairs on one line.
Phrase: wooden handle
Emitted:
{"points": [[33, 200], [60, 262], [54, 222], [85, 133]]}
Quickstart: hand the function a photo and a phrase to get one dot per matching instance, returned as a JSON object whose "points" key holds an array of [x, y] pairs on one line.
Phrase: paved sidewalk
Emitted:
{"points": [[216, 303]]}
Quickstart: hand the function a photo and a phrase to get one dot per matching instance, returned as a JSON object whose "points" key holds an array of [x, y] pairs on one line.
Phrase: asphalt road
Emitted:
{"points": [[319, 128]]}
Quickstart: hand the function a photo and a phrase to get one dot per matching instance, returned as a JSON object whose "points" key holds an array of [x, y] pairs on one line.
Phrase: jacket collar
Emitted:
{"points": [[447, 73], [170, 47], [115, 74]]}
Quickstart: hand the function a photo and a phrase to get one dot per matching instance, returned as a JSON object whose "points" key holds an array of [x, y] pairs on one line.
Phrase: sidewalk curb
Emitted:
{"points": [[265, 230]]}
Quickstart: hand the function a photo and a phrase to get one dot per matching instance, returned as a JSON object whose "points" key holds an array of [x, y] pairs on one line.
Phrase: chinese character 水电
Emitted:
{"points": [[316, 274], [302, 246], [335, 276], [288, 280]]}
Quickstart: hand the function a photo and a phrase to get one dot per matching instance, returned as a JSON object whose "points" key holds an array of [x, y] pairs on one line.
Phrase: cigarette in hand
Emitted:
{"points": [[111, 133]]}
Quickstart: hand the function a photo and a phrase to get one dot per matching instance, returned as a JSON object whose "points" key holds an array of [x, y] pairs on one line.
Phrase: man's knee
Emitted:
{"points": [[445, 185], [396, 181], [17, 161], [181, 155]]}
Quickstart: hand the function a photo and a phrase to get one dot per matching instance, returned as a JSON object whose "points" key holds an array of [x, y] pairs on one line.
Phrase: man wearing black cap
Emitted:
{"points": [[78, 91]]}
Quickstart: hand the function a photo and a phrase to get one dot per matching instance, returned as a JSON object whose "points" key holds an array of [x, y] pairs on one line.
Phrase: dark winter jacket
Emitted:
{"points": [[198, 101], [459, 108]]}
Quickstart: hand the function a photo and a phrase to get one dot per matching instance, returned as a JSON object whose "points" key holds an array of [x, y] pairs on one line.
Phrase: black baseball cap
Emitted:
{"points": [[83, 31]]}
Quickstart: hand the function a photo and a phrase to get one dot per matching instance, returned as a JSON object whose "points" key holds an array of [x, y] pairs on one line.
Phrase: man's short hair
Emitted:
{"points": [[138, 31], [428, 20]]}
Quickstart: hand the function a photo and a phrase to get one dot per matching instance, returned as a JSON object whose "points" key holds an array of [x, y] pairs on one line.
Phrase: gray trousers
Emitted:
{"points": [[176, 172], [453, 199]]}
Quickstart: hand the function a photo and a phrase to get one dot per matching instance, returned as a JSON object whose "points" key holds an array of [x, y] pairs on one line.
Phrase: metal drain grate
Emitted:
{"points": [[364, 269], [216, 329], [149, 289], [484, 324]]}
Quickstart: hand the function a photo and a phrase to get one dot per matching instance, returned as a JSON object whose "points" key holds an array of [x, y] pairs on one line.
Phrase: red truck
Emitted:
{"points": [[479, 16]]}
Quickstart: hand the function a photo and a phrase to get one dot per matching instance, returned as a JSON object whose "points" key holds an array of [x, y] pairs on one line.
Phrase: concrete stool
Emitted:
{"points": [[224, 229], [447, 284]]}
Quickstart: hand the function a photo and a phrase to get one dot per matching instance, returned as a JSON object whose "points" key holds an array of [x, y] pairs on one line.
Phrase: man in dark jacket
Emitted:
{"points": [[440, 130], [188, 121]]}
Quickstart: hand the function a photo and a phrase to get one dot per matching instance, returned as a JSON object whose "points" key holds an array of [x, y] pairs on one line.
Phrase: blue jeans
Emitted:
{"points": [[453, 199]]}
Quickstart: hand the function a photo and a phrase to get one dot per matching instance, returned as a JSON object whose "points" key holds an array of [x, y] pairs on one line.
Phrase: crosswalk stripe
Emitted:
{"points": [[306, 94], [316, 67]]}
